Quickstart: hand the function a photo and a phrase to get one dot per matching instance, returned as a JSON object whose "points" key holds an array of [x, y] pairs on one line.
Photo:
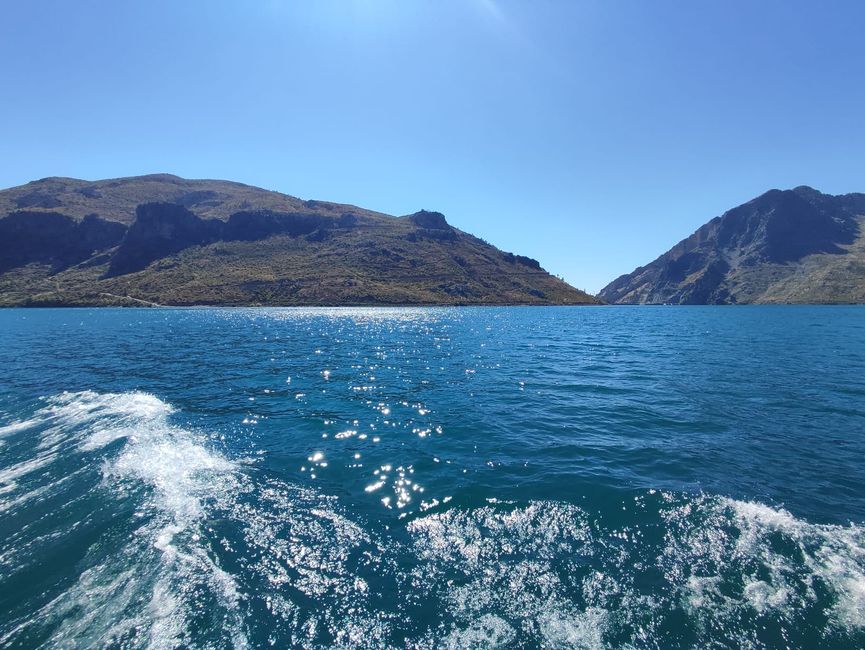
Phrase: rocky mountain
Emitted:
{"points": [[167, 240], [791, 246]]}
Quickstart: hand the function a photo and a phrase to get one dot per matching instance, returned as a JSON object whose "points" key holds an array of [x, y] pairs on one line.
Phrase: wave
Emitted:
{"points": [[185, 509], [132, 591], [168, 541]]}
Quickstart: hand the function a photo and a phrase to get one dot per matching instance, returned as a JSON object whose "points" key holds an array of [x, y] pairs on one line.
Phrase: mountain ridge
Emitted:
{"points": [[163, 239], [796, 246]]}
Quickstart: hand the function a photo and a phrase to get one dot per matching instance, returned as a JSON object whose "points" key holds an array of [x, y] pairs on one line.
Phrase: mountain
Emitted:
{"points": [[167, 240], [791, 246]]}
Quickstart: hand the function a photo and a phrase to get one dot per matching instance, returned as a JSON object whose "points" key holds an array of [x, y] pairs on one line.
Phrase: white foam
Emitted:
{"points": [[110, 416], [10, 475], [145, 593], [729, 557], [500, 566], [180, 471], [488, 631], [834, 555], [584, 630], [724, 561], [15, 427], [297, 537]]}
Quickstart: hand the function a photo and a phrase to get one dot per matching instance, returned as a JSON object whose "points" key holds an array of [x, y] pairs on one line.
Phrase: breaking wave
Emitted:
{"points": [[175, 543]]}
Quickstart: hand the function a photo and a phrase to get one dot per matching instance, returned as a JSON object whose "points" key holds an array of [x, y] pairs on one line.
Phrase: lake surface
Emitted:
{"points": [[669, 477]]}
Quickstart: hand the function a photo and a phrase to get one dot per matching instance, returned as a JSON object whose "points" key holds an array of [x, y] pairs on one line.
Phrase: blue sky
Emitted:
{"points": [[589, 135]]}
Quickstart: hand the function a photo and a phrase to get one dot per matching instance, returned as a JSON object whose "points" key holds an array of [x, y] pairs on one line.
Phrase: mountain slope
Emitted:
{"points": [[792, 246], [167, 240]]}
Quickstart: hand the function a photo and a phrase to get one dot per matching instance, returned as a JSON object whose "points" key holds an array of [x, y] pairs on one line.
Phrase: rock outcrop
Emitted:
{"points": [[53, 239], [160, 230], [430, 220]]}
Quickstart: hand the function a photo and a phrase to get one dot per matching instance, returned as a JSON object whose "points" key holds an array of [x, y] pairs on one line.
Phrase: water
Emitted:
{"points": [[574, 477]]}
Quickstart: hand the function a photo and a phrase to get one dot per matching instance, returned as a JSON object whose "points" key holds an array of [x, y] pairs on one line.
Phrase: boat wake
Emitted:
{"points": [[119, 527]]}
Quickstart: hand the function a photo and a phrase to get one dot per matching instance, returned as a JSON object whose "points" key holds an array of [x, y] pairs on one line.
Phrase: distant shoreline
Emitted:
{"points": [[420, 306], [308, 306]]}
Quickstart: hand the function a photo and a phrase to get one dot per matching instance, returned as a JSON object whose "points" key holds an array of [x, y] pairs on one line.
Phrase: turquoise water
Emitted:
{"points": [[562, 477]]}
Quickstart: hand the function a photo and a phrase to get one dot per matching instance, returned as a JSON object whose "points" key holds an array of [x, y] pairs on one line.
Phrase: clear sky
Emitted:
{"points": [[589, 135]]}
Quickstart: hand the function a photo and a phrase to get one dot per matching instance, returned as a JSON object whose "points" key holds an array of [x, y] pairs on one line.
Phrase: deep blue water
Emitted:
{"points": [[680, 477]]}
